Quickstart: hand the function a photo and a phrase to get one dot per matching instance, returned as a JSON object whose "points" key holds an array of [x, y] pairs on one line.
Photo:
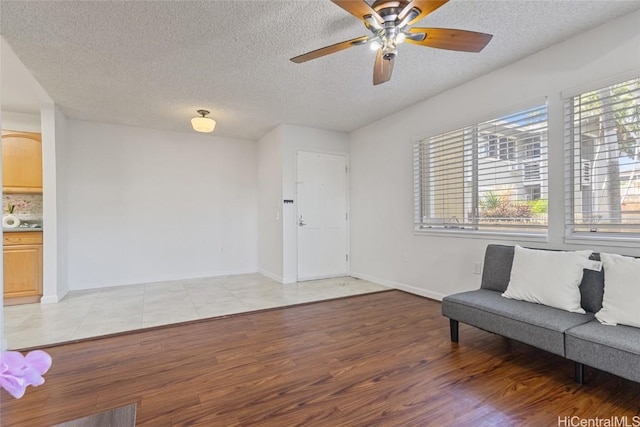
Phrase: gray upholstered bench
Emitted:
{"points": [[578, 337]]}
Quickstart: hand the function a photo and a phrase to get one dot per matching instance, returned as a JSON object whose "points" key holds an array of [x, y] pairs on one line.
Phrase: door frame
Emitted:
{"points": [[347, 162]]}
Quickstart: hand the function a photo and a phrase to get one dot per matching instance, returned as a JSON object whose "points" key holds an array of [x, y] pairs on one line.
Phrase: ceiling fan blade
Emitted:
{"points": [[445, 38], [382, 69], [424, 7], [329, 49], [359, 9]]}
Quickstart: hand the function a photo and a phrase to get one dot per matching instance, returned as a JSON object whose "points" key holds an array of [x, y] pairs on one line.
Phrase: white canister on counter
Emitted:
{"points": [[10, 221]]}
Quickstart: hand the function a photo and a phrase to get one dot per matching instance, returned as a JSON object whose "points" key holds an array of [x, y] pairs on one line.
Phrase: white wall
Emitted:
{"points": [[21, 121], [383, 246], [146, 205], [62, 230], [54, 164], [21, 92], [270, 205]]}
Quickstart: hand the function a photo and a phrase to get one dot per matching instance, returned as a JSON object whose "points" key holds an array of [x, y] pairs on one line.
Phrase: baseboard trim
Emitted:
{"points": [[400, 286]]}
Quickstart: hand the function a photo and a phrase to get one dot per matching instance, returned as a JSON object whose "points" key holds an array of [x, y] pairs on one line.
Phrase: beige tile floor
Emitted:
{"points": [[84, 314]]}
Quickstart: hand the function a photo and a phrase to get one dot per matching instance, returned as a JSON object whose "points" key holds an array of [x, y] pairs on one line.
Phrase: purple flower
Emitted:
{"points": [[17, 204], [17, 372]]}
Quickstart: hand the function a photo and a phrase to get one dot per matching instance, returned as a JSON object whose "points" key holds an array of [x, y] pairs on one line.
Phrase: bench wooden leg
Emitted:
{"points": [[453, 325], [579, 372]]}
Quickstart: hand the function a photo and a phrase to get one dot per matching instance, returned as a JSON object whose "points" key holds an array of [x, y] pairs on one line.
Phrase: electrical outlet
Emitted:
{"points": [[477, 268]]}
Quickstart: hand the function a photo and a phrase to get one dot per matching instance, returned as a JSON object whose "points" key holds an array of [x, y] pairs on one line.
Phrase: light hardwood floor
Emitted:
{"points": [[382, 359]]}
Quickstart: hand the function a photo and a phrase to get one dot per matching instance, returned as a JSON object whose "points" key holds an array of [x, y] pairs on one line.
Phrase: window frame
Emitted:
{"points": [[575, 171], [518, 153]]}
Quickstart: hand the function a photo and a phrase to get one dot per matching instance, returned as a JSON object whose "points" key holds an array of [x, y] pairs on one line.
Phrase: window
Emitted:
{"points": [[501, 148], [491, 176], [532, 171], [532, 147], [602, 160], [533, 192]]}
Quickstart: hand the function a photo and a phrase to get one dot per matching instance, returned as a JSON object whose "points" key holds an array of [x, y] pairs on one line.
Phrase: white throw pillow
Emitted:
{"points": [[547, 277], [621, 302]]}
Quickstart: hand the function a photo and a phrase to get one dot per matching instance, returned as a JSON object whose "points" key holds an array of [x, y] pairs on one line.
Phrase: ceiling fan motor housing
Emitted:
{"points": [[389, 10], [389, 33]]}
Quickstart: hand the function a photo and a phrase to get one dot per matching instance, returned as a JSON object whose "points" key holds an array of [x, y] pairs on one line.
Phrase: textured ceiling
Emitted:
{"points": [[153, 63]]}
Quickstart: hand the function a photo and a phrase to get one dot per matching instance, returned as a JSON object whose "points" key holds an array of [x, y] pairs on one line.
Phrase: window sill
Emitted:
{"points": [[479, 234], [602, 240]]}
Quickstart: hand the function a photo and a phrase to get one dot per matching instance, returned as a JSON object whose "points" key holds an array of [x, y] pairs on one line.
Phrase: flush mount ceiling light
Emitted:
{"points": [[204, 123]]}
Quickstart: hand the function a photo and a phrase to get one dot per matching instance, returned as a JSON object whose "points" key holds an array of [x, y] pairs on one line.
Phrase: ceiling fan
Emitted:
{"points": [[390, 24]]}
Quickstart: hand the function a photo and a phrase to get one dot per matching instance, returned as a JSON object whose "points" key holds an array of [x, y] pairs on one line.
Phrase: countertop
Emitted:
{"points": [[20, 230]]}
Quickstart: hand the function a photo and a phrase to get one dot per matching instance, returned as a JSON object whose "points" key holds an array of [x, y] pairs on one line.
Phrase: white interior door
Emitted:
{"points": [[321, 215]]}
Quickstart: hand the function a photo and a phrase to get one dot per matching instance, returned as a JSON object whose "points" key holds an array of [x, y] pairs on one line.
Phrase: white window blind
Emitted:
{"points": [[602, 160], [489, 176]]}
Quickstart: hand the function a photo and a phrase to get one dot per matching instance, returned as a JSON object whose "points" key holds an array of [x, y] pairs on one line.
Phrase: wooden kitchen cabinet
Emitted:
{"points": [[21, 162], [22, 267]]}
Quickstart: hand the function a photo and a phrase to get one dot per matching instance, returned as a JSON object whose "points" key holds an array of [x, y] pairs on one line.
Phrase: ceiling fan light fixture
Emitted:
{"points": [[203, 123], [391, 24]]}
